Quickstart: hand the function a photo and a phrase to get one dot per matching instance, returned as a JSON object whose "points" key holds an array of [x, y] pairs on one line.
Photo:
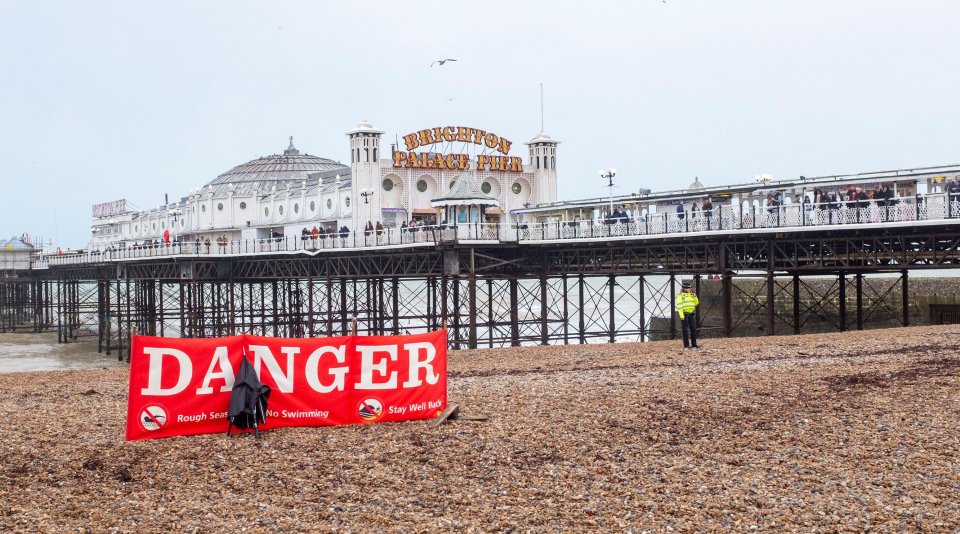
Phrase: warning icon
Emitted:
{"points": [[370, 409], [153, 418]]}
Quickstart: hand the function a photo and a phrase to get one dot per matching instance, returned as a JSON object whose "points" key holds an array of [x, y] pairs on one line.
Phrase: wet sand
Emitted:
{"points": [[827, 432], [41, 352]]}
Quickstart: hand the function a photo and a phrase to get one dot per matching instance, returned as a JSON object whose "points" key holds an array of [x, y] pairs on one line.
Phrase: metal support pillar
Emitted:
{"points": [[566, 312], [842, 304], [581, 325], [673, 306], [726, 299], [123, 343], [455, 281], [276, 311], [472, 297], [905, 297], [329, 285], [643, 308], [771, 305], [395, 304], [236, 319], [612, 326], [382, 305], [796, 304], [161, 307], [443, 300], [490, 321], [696, 291], [183, 311], [544, 328], [344, 324], [311, 332], [431, 304], [472, 305], [859, 301], [514, 315]]}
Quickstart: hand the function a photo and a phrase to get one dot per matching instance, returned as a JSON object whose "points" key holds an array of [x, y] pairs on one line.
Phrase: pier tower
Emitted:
{"points": [[365, 170], [543, 158]]}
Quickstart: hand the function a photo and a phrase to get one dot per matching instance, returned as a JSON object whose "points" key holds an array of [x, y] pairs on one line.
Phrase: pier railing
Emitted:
{"points": [[732, 218], [720, 219], [428, 236]]}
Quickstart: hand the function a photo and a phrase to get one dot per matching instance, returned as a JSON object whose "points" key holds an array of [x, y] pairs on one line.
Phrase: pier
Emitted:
{"points": [[496, 285]]}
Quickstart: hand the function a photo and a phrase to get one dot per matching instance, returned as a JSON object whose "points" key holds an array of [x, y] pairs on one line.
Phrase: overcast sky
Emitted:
{"points": [[101, 101]]}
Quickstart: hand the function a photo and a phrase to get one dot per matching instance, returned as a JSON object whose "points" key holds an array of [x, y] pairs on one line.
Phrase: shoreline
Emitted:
{"points": [[826, 431]]}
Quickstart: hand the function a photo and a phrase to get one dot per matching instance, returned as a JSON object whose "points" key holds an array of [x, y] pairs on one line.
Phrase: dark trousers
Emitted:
{"points": [[689, 323]]}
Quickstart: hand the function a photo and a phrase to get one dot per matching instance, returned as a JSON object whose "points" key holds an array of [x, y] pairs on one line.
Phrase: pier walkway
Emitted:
{"points": [[726, 220]]}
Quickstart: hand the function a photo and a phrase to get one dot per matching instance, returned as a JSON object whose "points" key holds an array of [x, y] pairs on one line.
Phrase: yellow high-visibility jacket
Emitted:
{"points": [[686, 303]]}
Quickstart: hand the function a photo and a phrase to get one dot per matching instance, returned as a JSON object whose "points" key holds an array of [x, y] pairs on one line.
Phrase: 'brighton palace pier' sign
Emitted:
{"points": [[451, 134]]}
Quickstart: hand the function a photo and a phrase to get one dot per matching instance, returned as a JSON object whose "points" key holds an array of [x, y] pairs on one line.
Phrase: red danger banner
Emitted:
{"points": [[180, 387]]}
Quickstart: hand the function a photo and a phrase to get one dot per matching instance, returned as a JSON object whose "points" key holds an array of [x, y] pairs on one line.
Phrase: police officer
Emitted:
{"points": [[686, 305]]}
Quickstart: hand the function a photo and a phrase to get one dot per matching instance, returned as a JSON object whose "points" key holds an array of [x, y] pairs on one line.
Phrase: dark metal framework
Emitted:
{"points": [[495, 295]]}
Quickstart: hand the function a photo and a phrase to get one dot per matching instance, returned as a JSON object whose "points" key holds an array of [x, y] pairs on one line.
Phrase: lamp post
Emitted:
{"points": [[609, 174], [175, 213], [366, 193]]}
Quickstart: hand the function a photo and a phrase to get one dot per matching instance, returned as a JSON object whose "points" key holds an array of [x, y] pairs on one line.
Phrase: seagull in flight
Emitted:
{"points": [[442, 61]]}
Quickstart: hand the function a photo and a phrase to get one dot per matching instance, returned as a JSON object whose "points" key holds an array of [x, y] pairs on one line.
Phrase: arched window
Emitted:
{"points": [[553, 162], [374, 153], [366, 153]]}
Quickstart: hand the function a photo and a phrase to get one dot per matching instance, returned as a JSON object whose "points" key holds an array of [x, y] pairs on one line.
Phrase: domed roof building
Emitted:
{"points": [[289, 166], [286, 194]]}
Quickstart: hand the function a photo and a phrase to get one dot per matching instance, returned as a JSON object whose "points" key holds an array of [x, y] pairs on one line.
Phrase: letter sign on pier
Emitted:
{"points": [[457, 161]]}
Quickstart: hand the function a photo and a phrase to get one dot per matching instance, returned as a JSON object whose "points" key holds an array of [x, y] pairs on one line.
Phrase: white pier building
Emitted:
{"points": [[283, 194]]}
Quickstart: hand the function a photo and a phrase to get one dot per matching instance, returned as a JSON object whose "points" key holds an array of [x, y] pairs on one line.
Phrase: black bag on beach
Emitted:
{"points": [[248, 400]]}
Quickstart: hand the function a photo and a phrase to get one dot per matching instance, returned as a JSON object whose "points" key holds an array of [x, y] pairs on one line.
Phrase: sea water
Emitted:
{"points": [[41, 352]]}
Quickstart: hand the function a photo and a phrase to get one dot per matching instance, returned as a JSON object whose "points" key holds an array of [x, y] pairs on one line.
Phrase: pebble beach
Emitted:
{"points": [[829, 432]]}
